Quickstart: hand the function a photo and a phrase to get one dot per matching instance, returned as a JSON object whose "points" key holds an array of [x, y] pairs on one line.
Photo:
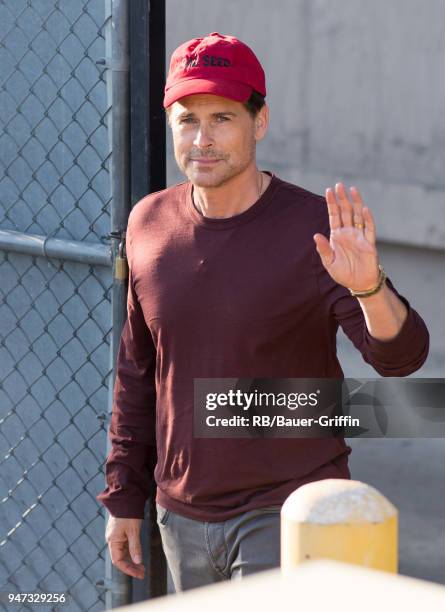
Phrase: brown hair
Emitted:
{"points": [[255, 103]]}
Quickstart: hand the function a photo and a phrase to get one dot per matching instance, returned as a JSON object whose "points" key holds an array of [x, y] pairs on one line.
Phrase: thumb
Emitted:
{"points": [[134, 547], [324, 249]]}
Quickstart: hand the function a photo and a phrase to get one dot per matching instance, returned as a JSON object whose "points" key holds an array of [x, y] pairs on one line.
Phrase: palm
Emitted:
{"points": [[350, 255]]}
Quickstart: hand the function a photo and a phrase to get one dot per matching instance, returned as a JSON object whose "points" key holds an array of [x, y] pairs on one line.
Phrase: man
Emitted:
{"points": [[235, 273]]}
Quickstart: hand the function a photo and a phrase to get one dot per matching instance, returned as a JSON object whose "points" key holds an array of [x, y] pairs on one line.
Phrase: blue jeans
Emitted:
{"points": [[200, 553]]}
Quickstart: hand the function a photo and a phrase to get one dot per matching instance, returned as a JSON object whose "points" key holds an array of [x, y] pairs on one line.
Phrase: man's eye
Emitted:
{"points": [[223, 118], [187, 120]]}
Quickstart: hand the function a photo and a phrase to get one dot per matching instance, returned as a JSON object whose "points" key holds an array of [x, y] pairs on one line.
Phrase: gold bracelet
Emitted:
{"points": [[362, 294]]}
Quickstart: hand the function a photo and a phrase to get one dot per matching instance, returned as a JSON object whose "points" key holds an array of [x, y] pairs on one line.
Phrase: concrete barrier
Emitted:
{"points": [[314, 586]]}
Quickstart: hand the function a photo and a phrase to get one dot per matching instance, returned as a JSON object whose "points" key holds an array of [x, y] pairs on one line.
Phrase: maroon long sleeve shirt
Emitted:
{"points": [[241, 297]]}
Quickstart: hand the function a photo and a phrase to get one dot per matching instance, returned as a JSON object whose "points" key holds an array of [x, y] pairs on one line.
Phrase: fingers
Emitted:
{"points": [[124, 543], [363, 215], [346, 212], [333, 210], [324, 249], [346, 208], [358, 206], [369, 225], [120, 557], [134, 547]]}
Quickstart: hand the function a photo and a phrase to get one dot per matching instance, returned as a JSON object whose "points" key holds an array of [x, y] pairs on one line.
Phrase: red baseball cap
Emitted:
{"points": [[214, 64]]}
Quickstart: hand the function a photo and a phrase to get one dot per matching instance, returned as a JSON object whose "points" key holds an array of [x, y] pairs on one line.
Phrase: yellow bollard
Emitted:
{"points": [[339, 519]]}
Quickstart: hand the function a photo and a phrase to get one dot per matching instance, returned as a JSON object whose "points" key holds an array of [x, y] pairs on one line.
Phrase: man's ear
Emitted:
{"points": [[167, 116], [261, 122]]}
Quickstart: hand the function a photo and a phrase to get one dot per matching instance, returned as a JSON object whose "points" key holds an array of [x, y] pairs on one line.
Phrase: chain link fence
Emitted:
{"points": [[55, 309]]}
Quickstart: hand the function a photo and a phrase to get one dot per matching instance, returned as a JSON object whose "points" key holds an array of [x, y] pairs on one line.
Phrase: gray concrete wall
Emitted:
{"points": [[356, 95]]}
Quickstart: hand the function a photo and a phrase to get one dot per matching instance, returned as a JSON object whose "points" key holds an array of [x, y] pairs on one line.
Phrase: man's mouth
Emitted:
{"points": [[205, 160]]}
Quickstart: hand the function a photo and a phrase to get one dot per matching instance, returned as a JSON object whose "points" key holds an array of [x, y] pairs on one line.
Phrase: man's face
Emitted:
{"points": [[214, 138]]}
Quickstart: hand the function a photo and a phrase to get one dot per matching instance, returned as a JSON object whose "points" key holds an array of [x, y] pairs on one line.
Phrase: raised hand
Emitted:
{"points": [[350, 255]]}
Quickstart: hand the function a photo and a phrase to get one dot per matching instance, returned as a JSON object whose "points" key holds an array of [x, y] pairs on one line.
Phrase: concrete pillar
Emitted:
{"points": [[339, 519]]}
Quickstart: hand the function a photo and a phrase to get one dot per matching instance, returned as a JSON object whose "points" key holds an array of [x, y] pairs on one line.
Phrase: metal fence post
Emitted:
{"points": [[136, 72], [119, 585], [148, 174]]}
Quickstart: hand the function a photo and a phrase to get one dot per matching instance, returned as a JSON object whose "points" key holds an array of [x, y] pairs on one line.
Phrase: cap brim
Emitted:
{"points": [[240, 92]]}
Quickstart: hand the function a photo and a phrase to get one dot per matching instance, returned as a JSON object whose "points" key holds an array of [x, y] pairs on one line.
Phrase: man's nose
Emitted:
{"points": [[203, 137]]}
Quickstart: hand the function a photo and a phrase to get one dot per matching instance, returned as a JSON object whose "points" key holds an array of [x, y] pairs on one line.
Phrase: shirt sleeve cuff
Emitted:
{"points": [[122, 507], [402, 344]]}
